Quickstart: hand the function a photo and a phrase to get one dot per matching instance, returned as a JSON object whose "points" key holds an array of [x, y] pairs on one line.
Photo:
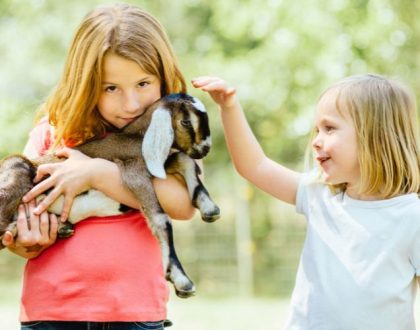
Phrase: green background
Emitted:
{"points": [[280, 55]]}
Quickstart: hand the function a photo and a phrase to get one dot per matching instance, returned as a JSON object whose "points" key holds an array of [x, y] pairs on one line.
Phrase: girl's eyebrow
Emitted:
{"points": [[136, 82]]}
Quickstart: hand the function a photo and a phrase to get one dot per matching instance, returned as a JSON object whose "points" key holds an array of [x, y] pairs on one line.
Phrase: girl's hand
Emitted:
{"points": [[219, 90], [68, 178], [34, 233]]}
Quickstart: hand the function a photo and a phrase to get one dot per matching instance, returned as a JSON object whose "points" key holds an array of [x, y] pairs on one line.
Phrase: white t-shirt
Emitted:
{"points": [[359, 262]]}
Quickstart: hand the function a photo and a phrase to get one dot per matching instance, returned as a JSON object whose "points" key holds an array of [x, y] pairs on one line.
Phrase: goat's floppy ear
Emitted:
{"points": [[157, 142]]}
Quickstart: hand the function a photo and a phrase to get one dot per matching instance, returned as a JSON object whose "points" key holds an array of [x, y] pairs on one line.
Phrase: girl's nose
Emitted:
{"points": [[316, 142], [131, 102]]}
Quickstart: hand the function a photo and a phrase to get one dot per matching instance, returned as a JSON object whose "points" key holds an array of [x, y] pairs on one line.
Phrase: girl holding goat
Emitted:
{"points": [[360, 264], [119, 63]]}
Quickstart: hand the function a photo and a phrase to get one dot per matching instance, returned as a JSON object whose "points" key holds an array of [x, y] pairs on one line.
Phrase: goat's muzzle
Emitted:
{"points": [[199, 151]]}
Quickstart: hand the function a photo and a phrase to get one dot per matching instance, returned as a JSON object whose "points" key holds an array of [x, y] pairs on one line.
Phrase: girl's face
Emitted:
{"points": [[335, 143], [126, 90]]}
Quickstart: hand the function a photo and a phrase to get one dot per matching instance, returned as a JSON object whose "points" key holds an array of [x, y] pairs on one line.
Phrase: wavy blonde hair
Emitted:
{"points": [[384, 114], [124, 30]]}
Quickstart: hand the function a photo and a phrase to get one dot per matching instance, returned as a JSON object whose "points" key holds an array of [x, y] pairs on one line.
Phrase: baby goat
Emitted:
{"points": [[164, 139]]}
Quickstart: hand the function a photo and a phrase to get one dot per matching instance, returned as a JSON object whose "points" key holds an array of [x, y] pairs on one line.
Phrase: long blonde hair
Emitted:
{"points": [[384, 114], [126, 31]]}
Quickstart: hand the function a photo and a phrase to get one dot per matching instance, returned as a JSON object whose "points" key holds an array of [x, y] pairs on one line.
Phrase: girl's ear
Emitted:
{"points": [[157, 142]]}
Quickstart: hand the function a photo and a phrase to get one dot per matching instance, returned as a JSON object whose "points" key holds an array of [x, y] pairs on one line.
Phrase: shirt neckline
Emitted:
{"points": [[379, 203]]}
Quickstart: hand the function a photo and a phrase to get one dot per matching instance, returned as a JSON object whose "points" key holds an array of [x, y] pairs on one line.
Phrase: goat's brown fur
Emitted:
{"points": [[124, 147]]}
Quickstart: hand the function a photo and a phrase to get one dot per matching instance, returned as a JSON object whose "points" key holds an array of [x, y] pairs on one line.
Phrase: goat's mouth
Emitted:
{"points": [[194, 154], [199, 152]]}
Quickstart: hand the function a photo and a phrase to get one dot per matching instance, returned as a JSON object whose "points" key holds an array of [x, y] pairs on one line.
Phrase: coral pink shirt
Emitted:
{"points": [[110, 270]]}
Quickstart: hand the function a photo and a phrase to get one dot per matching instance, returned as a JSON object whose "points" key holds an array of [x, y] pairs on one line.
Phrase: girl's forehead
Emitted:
{"points": [[327, 103], [118, 68], [330, 104]]}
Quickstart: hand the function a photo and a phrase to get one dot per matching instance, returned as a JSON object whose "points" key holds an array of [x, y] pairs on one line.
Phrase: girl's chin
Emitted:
{"points": [[327, 178]]}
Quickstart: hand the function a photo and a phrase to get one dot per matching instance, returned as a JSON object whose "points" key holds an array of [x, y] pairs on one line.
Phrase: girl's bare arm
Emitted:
{"points": [[247, 155], [79, 173]]}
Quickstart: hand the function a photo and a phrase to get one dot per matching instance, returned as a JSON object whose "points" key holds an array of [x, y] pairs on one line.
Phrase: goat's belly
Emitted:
{"points": [[110, 265], [92, 203]]}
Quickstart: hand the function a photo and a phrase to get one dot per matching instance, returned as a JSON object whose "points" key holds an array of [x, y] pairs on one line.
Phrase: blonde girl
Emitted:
{"points": [[109, 274], [360, 263]]}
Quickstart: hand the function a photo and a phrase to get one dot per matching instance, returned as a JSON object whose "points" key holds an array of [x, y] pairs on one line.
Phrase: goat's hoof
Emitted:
{"points": [[65, 230], [211, 216], [185, 292]]}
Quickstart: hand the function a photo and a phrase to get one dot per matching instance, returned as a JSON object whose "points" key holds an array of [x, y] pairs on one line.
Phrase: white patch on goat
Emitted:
{"points": [[157, 142], [190, 179], [180, 280], [205, 143], [199, 105], [93, 203], [205, 204]]}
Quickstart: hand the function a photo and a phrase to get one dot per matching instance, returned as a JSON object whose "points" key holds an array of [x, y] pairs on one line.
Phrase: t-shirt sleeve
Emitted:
{"points": [[302, 196], [39, 140]]}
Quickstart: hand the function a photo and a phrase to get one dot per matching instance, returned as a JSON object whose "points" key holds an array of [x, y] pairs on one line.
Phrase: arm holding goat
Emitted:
{"points": [[167, 137]]}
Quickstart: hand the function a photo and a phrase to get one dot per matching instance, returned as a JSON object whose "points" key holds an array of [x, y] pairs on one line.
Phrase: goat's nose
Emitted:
{"points": [[205, 149]]}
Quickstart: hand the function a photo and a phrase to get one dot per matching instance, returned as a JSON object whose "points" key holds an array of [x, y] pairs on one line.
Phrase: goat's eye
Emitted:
{"points": [[186, 123]]}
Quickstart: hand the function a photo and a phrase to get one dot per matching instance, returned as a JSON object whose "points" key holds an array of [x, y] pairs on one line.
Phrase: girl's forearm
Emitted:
{"points": [[171, 192], [245, 151], [107, 178]]}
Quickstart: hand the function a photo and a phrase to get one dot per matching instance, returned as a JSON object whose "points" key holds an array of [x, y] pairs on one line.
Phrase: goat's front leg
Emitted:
{"points": [[183, 164], [139, 182]]}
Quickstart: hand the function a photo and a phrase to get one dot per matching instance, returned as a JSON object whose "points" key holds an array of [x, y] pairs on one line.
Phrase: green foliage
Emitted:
{"points": [[279, 55]]}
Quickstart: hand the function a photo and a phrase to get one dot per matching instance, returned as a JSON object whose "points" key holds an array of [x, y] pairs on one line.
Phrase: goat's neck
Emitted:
{"points": [[139, 126]]}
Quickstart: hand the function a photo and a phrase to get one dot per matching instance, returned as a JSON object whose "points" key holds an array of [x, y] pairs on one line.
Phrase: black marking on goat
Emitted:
{"points": [[186, 116], [188, 289], [203, 129], [124, 208], [197, 169], [179, 96]]}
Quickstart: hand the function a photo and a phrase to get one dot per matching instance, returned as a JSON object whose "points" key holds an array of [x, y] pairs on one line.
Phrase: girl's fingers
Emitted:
{"points": [[206, 81], [44, 228], [44, 225], [25, 226], [230, 91], [22, 222], [68, 202], [53, 228], [48, 200], [215, 86], [64, 153], [43, 170], [202, 80], [33, 219], [38, 190], [8, 239]]}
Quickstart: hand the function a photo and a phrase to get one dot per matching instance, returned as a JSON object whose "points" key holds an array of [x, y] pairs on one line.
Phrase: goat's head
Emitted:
{"points": [[180, 121]]}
